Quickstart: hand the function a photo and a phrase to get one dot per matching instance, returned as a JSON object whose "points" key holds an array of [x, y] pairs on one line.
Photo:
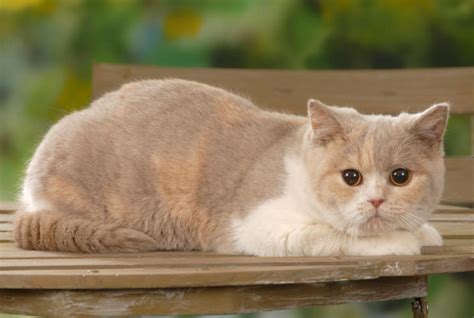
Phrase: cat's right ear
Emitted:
{"points": [[324, 123]]}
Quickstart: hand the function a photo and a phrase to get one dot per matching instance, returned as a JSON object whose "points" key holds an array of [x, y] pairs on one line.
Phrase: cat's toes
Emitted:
{"points": [[427, 235]]}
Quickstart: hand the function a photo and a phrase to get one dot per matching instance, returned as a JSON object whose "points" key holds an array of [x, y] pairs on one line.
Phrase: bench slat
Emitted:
{"points": [[211, 300], [370, 91], [152, 277]]}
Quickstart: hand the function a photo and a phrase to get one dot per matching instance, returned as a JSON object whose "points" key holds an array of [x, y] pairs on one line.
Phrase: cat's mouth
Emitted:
{"points": [[375, 224]]}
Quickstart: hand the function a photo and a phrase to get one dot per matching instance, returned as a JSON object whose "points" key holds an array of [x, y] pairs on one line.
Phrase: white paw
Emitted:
{"points": [[427, 235], [394, 243]]}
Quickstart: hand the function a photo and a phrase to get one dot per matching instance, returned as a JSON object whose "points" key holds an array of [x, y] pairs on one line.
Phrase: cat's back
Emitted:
{"points": [[123, 135], [167, 96]]}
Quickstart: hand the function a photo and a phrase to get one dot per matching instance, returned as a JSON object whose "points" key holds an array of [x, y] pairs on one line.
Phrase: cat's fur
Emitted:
{"points": [[178, 165]]}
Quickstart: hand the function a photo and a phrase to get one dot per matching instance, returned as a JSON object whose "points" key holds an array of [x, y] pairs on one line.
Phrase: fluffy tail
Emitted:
{"points": [[46, 230]]}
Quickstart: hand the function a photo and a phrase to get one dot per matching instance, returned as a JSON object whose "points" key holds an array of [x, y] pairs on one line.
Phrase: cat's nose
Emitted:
{"points": [[376, 202]]}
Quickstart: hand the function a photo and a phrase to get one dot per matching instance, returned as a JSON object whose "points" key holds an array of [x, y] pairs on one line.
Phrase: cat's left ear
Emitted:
{"points": [[324, 122], [431, 124]]}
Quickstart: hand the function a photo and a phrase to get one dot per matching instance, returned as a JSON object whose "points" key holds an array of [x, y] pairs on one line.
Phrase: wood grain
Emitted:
{"points": [[459, 180], [211, 300], [370, 91]]}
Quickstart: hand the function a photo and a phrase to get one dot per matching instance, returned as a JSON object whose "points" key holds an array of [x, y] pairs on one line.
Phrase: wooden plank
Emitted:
{"points": [[7, 218], [472, 135], [459, 180], [232, 275], [450, 249], [7, 207], [211, 301], [443, 208], [370, 91], [455, 230], [452, 217], [6, 237], [458, 242], [6, 227], [172, 261]]}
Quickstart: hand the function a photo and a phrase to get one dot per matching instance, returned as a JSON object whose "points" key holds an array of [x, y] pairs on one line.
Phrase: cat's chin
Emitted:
{"points": [[375, 225]]}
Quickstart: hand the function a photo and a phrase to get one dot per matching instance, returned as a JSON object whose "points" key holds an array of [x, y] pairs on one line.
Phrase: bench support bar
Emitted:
{"points": [[419, 306]]}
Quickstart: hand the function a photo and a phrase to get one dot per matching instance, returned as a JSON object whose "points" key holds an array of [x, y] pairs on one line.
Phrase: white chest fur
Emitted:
{"points": [[290, 225]]}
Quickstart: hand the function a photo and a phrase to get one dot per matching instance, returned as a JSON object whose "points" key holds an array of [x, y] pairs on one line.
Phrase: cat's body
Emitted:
{"points": [[178, 165]]}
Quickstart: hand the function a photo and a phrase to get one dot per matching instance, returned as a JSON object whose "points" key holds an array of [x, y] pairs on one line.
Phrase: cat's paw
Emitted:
{"points": [[427, 235], [394, 243]]}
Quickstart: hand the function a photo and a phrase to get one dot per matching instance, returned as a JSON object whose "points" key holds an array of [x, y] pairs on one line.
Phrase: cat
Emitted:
{"points": [[179, 165]]}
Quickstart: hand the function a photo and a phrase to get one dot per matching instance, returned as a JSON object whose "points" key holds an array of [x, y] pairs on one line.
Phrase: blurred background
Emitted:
{"points": [[47, 49]]}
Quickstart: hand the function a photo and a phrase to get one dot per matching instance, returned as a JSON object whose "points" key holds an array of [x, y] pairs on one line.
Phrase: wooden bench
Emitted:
{"points": [[165, 283]]}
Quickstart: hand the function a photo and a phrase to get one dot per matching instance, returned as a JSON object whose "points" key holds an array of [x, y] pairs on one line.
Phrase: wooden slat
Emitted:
{"points": [[215, 300], [452, 217], [459, 180], [443, 208], [456, 248], [7, 207], [6, 217], [6, 227], [6, 237], [211, 274], [370, 91], [170, 261], [455, 230]]}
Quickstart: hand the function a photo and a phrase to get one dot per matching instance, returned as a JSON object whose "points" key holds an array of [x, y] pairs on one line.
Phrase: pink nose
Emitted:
{"points": [[376, 202]]}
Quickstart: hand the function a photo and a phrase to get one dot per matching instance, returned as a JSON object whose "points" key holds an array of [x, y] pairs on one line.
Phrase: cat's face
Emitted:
{"points": [[372, 174]]}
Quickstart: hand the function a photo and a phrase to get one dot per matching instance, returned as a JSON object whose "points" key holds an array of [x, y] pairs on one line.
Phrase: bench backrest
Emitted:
{"points": [[369, 91]]}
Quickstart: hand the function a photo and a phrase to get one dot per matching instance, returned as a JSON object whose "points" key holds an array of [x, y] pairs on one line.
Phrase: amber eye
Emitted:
{"points": [[352, 177], [400, 176]]}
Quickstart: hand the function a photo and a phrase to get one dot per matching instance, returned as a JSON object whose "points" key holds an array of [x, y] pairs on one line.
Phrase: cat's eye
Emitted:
{"points": [[352, 177], [400, 176]]}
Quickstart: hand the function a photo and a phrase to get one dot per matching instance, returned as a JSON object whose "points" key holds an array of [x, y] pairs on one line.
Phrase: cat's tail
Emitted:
{"points": [[47, 230]]}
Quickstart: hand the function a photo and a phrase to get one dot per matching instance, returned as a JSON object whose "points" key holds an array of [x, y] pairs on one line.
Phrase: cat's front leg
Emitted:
{"points": [[393, 243], [279, 238], [314, 240]]}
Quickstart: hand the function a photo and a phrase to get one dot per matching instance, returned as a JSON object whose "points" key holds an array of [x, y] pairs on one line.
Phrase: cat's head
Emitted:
{"points": [[375, 173]]}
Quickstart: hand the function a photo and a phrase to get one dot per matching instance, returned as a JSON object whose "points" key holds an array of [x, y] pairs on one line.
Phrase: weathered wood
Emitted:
{"points": [[6, 237], [99, 273], [6, 227], [370, 91], [212, 300], [7, 207], [452, 217], [6, 217], [419, 307], [472, 135], [459, 180], [455, 230]]}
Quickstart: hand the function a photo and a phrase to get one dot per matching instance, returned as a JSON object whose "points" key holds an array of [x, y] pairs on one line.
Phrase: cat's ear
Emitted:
{"points": [[324, 122], [431, 124]]}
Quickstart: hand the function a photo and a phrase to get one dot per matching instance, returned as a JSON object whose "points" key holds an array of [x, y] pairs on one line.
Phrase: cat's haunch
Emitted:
{"points": [[179, 165]]}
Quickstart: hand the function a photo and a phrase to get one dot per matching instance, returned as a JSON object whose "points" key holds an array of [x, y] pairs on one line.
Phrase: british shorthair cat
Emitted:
{"points": [[180, 165]]}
